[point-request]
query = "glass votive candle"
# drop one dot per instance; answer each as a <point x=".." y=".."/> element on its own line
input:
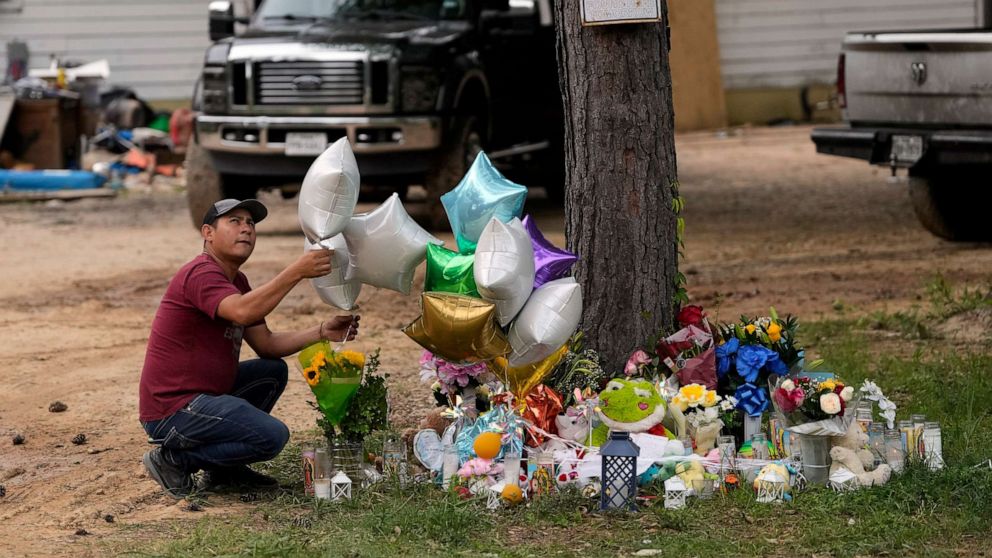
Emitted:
<point x="511" y="466"/>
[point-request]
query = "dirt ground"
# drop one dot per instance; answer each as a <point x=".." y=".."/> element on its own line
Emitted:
<point x="769" y="222"/>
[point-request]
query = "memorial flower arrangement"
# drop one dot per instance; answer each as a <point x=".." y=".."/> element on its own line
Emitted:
<point x="350" y="395"/>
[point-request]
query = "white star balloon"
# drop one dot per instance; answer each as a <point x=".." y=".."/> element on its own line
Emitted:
<point x="329" y="192"/>
<point x="334" y="288"/>
<point x="504" y="267"/>
<point x="546" y="322"/>
<point x="386" y="246"/>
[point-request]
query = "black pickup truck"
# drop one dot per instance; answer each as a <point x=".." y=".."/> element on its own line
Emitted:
<point x="417" y="86"/>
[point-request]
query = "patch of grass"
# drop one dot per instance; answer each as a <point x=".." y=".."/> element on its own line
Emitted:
<point x="943" y="513"/>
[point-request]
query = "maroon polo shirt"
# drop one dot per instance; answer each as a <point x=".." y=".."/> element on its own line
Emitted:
<point x="191" y="350"/>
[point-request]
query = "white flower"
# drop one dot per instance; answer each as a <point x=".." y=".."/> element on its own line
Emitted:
<point x="729" y="403"/>
<point x="830" y="403"/>
<point x="847" y="393"/>
<point x="788" y="385"/>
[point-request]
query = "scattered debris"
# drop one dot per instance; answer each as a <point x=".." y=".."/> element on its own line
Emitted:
<point x="57" y="407"/>
<point x="82" y="532"/>
<point x="193" y="507"/>
<point x="108" y="518"/>
<point x="15" y="472"/>
<point x="3" y="491"/>
<point x="18" y="439"/>
<point x="79" y="439"/>
<point x="303" y="522"/>
<point x="249" y="497"/>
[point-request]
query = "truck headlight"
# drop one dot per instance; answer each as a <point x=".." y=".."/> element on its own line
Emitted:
<point x="418" y="88"/>
<point x="214" y="79"/>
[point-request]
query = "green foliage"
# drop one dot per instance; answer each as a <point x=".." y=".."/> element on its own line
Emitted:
<point x="581" y="368"/>
<point x="944" y="302"/>
<point x="368" y="410"/>
<point x="681" y="295"/>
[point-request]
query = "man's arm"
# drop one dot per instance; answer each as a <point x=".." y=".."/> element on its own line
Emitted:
<point x="269" y="344"/>
<point x="253" y="306"/>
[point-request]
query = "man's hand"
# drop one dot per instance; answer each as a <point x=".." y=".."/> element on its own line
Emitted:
<point x="338" y="327"/>
<point x="314" y="263"/>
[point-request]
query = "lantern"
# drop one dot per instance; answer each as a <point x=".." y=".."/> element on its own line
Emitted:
<point x="340" y="487"/>
<point x="619" y="475"/>
<point x="675" y="490"/>
<point x="771" y="484"/>
<point x="494" y="497"/>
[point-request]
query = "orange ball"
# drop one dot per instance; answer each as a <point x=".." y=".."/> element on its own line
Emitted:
<point x="512" y="494"/>
<point x="487" y="445"/>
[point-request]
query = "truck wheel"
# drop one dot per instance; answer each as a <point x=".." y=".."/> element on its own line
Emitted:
<point x="457" y="155"/>
<point x="952" y="204"/>
<point x="204" y="185"/>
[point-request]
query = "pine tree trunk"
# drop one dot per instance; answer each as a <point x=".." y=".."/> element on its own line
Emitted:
<point x="620" y="177"/>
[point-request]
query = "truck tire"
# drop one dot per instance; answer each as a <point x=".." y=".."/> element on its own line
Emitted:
<point x="204" y="185"/>
<point x="953" y="203"/>
<point x="457" y="154"/>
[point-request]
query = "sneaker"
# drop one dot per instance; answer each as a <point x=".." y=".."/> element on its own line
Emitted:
<point x="171" y="478"/>
<point x="237" y="477"/>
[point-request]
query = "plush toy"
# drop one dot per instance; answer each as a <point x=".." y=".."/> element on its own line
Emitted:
<point x="852" y="463"/>
<point x="630" y="406"/>
<point x="770" y="478"/>
<point x="689" y="471"/>
<point x="573" y="426"/>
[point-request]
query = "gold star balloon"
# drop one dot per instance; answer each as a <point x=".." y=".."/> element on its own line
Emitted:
<point x="458" y="328"/>
<point x="522" y="379"/>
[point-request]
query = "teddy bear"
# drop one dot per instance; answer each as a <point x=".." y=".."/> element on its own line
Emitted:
<point x="851" y="461"/>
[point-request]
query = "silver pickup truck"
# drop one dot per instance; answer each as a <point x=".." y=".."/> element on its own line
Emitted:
<point x="922" y="101"/>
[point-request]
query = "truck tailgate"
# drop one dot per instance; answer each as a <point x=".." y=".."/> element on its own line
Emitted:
<point x="938" y="78"/>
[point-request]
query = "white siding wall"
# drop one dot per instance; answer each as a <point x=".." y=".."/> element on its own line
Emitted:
<point x="790" y="43"/>
<point x="154" y="46"/>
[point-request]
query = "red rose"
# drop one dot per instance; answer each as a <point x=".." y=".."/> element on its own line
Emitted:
<point x="671" y="349"/>
<point x="691" y="315"/>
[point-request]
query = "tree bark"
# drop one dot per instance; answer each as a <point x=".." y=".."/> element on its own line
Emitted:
<point x="620" y="177"/>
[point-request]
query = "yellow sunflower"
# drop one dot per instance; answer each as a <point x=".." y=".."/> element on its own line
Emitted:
<point x="353" y="358"/>
<point x="312" y="375"/>
<point x="319" y="359"/>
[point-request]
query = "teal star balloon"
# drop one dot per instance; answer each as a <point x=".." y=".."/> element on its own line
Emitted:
<point x="450" y="272"/>
<point x="482" y="194"/>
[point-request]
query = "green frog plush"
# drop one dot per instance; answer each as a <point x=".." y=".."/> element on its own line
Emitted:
<point x="630" y="406"/>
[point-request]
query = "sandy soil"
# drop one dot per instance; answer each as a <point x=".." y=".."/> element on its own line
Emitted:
<point x="769" y="222"/>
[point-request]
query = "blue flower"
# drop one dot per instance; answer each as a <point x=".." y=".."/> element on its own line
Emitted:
<point x="775" y="365"/>
<point x="750" y="360"/>
<point x="723" y="354"/>
<point x="751" y="399"/>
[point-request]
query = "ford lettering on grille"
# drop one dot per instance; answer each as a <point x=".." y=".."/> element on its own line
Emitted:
<point x="306" y="82"/>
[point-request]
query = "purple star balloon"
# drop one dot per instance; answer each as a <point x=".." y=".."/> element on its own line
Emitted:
<point x="550" y="262"/>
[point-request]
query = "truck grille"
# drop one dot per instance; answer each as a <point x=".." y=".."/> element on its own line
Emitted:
<point x="310" y="83"/>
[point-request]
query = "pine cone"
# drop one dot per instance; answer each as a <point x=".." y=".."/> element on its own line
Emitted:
<point x="57" y="407"/>
<point x="18" y="439"/>
<point x="3" y="491"/>
<point x="79" y="439"/>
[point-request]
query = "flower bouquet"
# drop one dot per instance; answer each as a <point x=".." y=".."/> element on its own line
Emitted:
<point x="334" y="378"/>
<point x="702" y="415"/>
<point x="450" y="380"/>
<point x="751" y="351"/>
<point x="814" y="403"/>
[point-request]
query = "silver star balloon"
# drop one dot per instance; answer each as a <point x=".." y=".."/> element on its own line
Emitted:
<point x="504" y="267"/>
<point x="386" y="246"/>
<point x="546" y="322"/>
<point x="329" y="192"/>
<point x="334" y="288"/>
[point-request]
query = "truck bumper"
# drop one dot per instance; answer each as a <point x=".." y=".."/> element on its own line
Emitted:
<point x="875" y="145"/>
<point x="257" y="144"/>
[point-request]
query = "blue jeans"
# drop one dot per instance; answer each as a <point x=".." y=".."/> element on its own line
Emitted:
<point x="217" y="431"/>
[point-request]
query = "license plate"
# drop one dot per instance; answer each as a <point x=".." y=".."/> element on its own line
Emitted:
<point x="305" y="143"/>
<point x="906" y="149"/>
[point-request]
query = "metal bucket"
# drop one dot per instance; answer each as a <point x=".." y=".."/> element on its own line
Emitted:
<point x="815" y="458"/>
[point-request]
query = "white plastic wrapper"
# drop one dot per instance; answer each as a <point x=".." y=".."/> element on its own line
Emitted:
<point x="329" y="192"/>
<point x="504" y="267"/>
<point x="386" y="246"/>
<point x="333" y="288"/>
<point x="546" y="322"/>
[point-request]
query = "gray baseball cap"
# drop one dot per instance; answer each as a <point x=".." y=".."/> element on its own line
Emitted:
<point x="255" y="207"/>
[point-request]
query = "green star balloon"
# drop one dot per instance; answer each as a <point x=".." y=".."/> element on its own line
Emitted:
<point x="450" y="272"/>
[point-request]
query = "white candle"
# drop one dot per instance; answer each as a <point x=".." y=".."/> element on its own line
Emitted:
<point x="322" y="489"/>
